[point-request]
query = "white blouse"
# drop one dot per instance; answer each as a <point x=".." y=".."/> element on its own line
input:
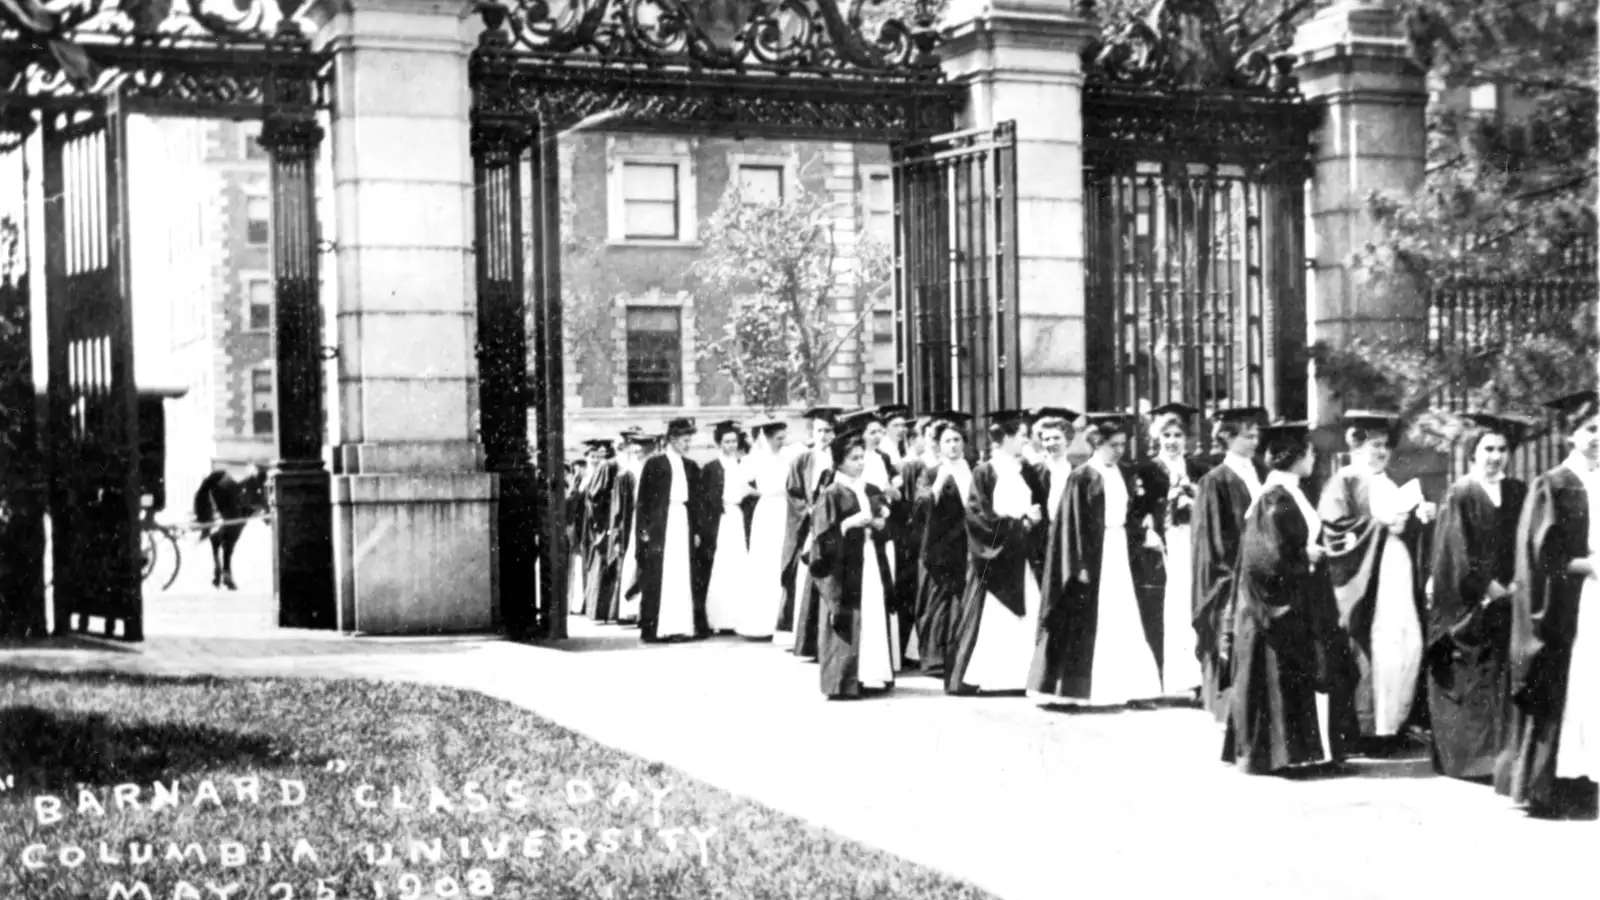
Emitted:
<point x="1116" y="494"/>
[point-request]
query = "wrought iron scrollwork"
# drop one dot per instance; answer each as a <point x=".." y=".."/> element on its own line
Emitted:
<point x="782" y="36"/>
<point x="1186" y="45"/>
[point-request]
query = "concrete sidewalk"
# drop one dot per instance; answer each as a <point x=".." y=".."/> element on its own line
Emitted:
<point x="1030" y="804"/>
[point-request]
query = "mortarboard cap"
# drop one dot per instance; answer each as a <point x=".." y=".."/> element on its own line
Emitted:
<point x="951" y="415"/>
<point x="680" y="427"/>
<point x="1053" y="412"/>
<point x="1513" y="428"/>
<point x="822" y="413"/>
<point x="857" y="420"/>
<point x="892" y="411"/>
<point x="1004" y="416"/>
<point x="765" y="421"/>
<point x="638" y="438"/>
<point x="1576" y="407"/>
<point x="1285" y="432"/>
<point x="1103" y="419"/>
<point x="1240" y="414"/>
<point x="599" y="444"/>
<point x="1181" y="410"/>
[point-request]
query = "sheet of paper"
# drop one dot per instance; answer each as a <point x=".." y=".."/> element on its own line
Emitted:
<point x="1410" y="496"/>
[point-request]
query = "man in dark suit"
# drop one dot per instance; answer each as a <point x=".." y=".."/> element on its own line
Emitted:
<point x="668" y="538"/>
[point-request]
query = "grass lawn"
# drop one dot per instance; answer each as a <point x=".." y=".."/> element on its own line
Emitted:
<point x="472" y="796"/>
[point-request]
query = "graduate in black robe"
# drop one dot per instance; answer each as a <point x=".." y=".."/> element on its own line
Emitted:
<point x="1166" y="486"/>
<point x="904" y="447"/>
<point x="622" y="508"/>
<point x="1280" y="620"/>
<point x="602" y="568"/>
<point x="1222" y="496"/>
<point x="808" y="475"/>
<point x="942" y="493"/>
<point x="1557" y="574"/>
<point x="1469" y="607"/>
<point x="854" y="635"/>
<point x="667" y="539"/>
<point x="991" y="642"/>
<point x="577" y="533"/>
<point x="1375" y="566"/>
<point x="1091" y="645"/>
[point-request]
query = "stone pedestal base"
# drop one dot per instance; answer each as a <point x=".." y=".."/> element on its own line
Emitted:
<point x="416" y="553"/>
<point x="302" y="546"/>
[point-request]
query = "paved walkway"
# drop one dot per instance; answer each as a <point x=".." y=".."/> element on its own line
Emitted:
<point x="1030" y="804"/>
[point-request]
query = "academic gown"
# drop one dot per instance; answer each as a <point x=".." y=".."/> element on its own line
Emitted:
<point x="1281" y="615"/>
<point x="907" y="531"/>
<point x="1000" y="551"/>
<point x="626" y="544"/>
<point x="944" y="567"/>
<point x="1091" y="640"/>
<point x="1554" y="530"/>
<point x="1469" y="688"/>
<point x="663" y="580"/>
<point x="1360" y="667"/>
<point x="1221" y="500"/>
<point x="838" y="569"/>
<point x="602" y="563"/>
<point x="800" y="607"/>
<point x="1168" y="586"/>
<point x="577" y="545"/>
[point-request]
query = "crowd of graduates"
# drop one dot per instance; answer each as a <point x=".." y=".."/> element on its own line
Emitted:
<point x="1314" y="633"/>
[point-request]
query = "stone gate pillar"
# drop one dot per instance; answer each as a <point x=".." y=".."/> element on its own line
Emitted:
<point x="413" y="508"/>
<point x="1021" y="60"/>
<point x="1354" y="59"/>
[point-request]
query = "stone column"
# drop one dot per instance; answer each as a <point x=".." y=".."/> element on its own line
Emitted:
<point x="1354" y="60"/>
<point x="414" y="511"/>
<point x="1022" y="60"/>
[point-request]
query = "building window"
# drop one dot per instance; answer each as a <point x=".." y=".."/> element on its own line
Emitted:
<point x="878" y="204"/>
<point x="655" y="356"/>
<point x="258" y="220"/>
<point x="261" y="406"/>
<point x="650" y="198"/>
<point x="761" y="184"/>
<point x="250" y="135"/>
<point x="258" y="293"/>
<point x="883" y="393"/>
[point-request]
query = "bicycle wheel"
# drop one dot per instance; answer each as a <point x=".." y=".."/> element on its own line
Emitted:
<point x="177" y="556"/>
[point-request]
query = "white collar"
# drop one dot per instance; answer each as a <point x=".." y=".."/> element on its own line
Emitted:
<point x="1578" y="463"/>
<point x="1242" y="466"/>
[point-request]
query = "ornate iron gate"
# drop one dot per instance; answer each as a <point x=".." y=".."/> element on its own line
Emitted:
<point x="803" y="69"/>
<point x="93" y="398"/>
<point x="1195" y="163"/>
<point x="957" y="343"/>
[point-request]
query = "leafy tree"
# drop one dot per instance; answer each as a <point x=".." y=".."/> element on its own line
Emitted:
<point x="780" y="266"/>
<point x="1506" y="211"/>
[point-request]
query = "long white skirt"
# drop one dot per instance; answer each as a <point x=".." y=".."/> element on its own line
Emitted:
<point x="1180" y="673"/>
<point x="1578" y="755"/>
<point x="676" y="614"/>
<point x="763" y="589"/>
<point x="879" y="644"/>
<point x="1396" y="640"/>
<point x="575" y="592"/>
<point x="1123" y="667"/>
<point x="729" y="572"/>
<point x="628" y="608"/>
<point x="1004" y="650"/>
<point x="894" y="621"/>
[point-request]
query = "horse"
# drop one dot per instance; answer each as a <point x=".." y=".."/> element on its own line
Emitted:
<point x="230" y="502"/>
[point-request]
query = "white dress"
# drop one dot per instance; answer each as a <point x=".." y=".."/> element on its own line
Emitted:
<point x="730" y="566"/>
<point x="1578" y="752"/>
<point x="675" y="617"/>
<point x="1123" y="667"/>
<point x="1397" y="639"/>
<point x="1180" y="666"/>
<point x="876" y="474"/>
<point x="1004" y="649"/>
<point x="876" y="664"/>
<point x="763" y="589"/>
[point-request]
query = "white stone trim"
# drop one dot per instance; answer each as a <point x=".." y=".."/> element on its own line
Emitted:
<point x="620" y="152"/>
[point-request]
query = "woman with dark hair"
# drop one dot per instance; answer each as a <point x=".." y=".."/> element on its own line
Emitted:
<point x="1280" y="616"/>
<point x="1222" y="496"/>
<point x="943" y="498"/>
<point x="602" y="558"/>
<point x="1469" y="604"/>
<point x="1371" y="529"/>
<point x="578" y="531"/>
<point x="1168" y="480"/>
<point x="989" y="646"/>
<point x="1091" y="646"/>
<point x="851" y="576"/>
<point x="1552" y="759"/>
<point x="766" y="475"/>
<point x="879" y="471"/>
<point x="723" y="545"/>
